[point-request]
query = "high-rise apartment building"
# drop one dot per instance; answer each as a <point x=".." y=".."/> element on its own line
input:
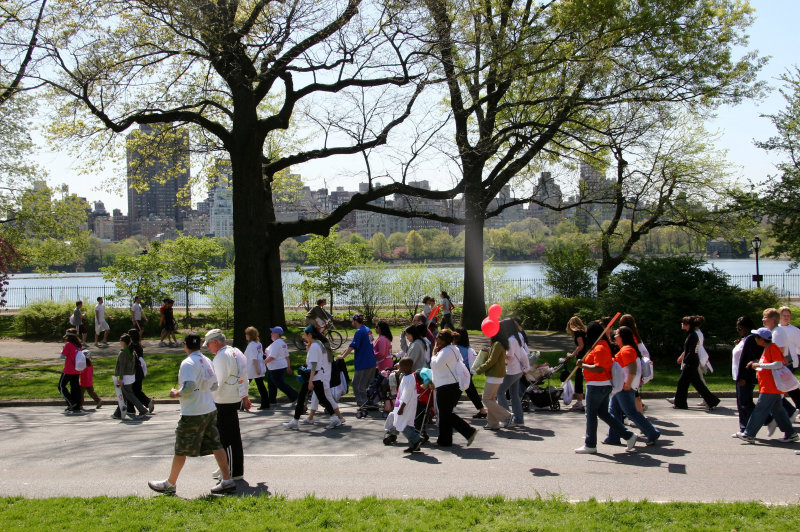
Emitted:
<point x="163" y="166"/>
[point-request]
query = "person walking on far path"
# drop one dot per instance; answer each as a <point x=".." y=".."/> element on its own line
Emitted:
<point x="137" y="315"/>
<point x="197" y="433"/>
<point x="167" y="324"/>
<point x="447" y="307"/>
<point x="77" y="320"/>
<point x="100" y="323"/>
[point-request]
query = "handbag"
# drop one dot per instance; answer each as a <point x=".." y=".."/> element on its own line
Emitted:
<point x="785" y="380"/>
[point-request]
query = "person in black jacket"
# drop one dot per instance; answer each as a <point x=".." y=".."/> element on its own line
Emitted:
<point x="745" y="351"/>
<point x="690" y="362"/>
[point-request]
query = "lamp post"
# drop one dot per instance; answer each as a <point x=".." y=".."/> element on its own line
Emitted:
<point x="756" y="242"/>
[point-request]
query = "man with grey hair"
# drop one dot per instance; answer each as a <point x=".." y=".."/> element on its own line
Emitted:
<point x="230" y="366"/>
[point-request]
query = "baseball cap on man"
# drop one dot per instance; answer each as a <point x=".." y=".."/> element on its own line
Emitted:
<point x="278" y="330"/>
<point x="214" y="334"/>
<point x="357" y="317"/>
<point x="764" y="333"/>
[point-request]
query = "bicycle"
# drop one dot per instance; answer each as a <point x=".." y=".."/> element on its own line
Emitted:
<point x="334" y="338"/>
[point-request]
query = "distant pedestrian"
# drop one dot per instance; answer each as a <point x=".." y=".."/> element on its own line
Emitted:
<point x="197" y="433"/>
<point x="137" y="315"/>
<point x="70" y="377"/>
<point x="100" y="324"/>
<point x="278" y="366"/>
<point x="167" y="322"/>
<point x="231" y="371"/>
<point x="446" y="311"/>
<point x="87" y="384"/>
<point x="125" y="371"/>
<point x="256" y="370"/>
<point x="77" y="320"/>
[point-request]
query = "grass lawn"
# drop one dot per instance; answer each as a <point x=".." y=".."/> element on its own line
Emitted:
<point x="469" y="513"/>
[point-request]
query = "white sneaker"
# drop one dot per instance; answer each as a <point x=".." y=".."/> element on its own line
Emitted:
<point x="224" y="486"/>
<point x="290" y="425"/>
<point x="335" y="422"/>
<point x="702" y="403"/>
<point x="161" y="486"/>
<point x="631" y="447"/>
<point x="306" y="421"/>
<point x="217" y="474"/>
<point x="744" y="437"/>
<point x="586" y="450"/>
<point x="671" y="400"/>
<point x="771" y="428"/>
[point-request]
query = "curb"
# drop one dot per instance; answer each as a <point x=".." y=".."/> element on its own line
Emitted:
<point x="6" y="403"/>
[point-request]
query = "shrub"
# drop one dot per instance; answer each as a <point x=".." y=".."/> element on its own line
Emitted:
<point x="570" y="270"/>
<point x="553" y="313"/>
<point x="47" y="320"/>
<point x="660" y="291"/>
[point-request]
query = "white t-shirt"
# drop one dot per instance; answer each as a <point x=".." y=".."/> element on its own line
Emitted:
<point x="280" y="352"/>
<point x="317" y="353"/>
<point x="792" y="335"/>
<point x="230" y="366"/>
<point x="136" y="308"/>
<point x="197" y="368"/>
<point x="255" y="353"/>
<point x="516" y="359"/>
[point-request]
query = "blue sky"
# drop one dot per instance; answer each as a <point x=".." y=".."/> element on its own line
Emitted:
<point x="775" y="33"/>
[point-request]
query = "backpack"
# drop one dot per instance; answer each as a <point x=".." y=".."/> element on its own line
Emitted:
<point x="617" y="378"/>
<point x="80" y="361"/>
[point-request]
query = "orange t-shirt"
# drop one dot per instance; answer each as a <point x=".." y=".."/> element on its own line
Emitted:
<point x="625" y="355"/>
<point x="766" y="384"/>
<point x="600" y="355"/>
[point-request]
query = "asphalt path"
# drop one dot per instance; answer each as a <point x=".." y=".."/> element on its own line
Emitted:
<point x="48" y="453"/>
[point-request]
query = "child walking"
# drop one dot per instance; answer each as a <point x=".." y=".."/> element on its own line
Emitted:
<point x="87" y="384"/>
<point x="402" y="418"/>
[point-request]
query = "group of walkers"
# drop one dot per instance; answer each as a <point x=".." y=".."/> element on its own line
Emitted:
<point x="212" y="392"/>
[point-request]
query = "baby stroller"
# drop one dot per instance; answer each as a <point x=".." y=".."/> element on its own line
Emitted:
<point x="539" y="394"/>
<point x="378" y="394"/>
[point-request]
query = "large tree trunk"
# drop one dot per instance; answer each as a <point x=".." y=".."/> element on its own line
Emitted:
<point x="474" y="309"/>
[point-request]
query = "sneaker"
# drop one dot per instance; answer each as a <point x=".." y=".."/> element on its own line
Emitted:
<point x="389" y="439"/>
<point x="710" y="408"/>
<point x="512" y="425"/>
<point x="651" y="443"/>
<point x="793" y="417"/>
<point x="224" y="486"/>
<point x="97" y="344"/>
<point x="99" y="404"/>
<point x="474" y="434"/>
<point x="116" y="416"/>
<point x="307" y="421"/>
<point x="151" y="405"/>
<point x="335" y="422"/>
<point x="744" y="437"/>
<point x="671" y="400"/>
<point x="578" y="407"/>
<point x="171" y="344"/>
<point x="797" y="452"/>
<point x="480" y="415"/>
<point x="162" y="344"/>
<point x="487" y="427"/>
<point x="505" y="424"/>
<point x="217" y="474"/>
<point x="290" y="425"/>
<point x="586" y="450"/>
<point x="788" y="439"/>
<point x="414" y="447"/>
<point x="162" y="486"/>
<point x="771" y="428"/>
<point x="702" y="403"/>
<point x="631" y="443"/>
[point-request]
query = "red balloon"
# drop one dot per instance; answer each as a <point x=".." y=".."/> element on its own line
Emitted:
<point x="495" y="311"/>
<point x="490" y="327"/>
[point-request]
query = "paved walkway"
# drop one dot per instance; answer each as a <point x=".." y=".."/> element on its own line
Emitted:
<point x="47" y="453"/>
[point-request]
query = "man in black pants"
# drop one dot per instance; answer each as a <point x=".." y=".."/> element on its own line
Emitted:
<point x="231" y="369"/>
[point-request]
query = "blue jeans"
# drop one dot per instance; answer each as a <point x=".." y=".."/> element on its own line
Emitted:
<point x="597" y="407"/>
<point x="511" y="384"/>
<point x="625" y="402"/>
<point x="744" y="403"/>
<point x="768" y="403"/>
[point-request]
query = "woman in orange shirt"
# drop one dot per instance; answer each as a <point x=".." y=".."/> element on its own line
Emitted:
<point x="624" y="401"/>
<point x="769" y="396"/>
<point x="596" y="366"/>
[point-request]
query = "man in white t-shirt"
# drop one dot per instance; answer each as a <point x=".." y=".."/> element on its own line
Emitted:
<point x="278" y="366"/>
<point x="230" y="365"/>
<point x="197" y="433"/>
<point x="100" y="324"/>
<point x="137" y="315"/>
<point x="792" y="335"/>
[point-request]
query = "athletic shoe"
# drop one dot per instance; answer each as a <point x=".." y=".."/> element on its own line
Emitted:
<point x="307" y="421"/>
<point x="480" y="415"/>
<point x="788" y="439"/>
<point x="797" y="452"/>
<point x="116" y="416"/>
<point x="217" y="474"/>
<point x="389" y="439"/>
<point x="151" y="405"/>
<point x="505" y="424"/>
<point x="290" y="425"/>
<point x="162" y="486"/>
<point x="162" y="344"/>
<point x="631" y="443"/>
<point x="671" y="400"/>
<point x="171" y="344"/>
<point x="414" y="447"/>
<point x="793" y="417"/>
<point x="224" y="486"/>
<point x="335" y="422"/>
<point x="609" y="442"/>
<point x="97" y="344"/>
<point x="702" y="403"/>
<point x="744" y="437"/>
<point x="512" y="425"/>
<point x="772" y="426"/>
<point x="710" y="408"/>
<point x="472" y="438"/>
<point x="487" y="427"/>
<point x="651" y="443"/>
<point x="578" y="407"/>
<point x="586" y="450"/>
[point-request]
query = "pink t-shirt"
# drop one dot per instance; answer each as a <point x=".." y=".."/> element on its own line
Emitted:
<point x="383" y="352"/>
<point x="69" y="351"/>
<point x="87" y="377"/>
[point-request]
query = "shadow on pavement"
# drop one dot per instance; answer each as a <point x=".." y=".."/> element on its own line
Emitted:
<point x="244" y="489"/>
<point x="542" y="472"/>
<point x="472" y="453"/>
<point x="422" y="458"/>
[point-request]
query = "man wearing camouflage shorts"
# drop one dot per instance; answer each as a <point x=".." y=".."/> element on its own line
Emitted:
<point x="196" y="434"/>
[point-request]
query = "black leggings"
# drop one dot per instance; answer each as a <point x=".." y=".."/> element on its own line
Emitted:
<point x="690" y="376"/>
<point x="319" y="391"/>
<point x="447" y="399"/>
<point x="473" y="395"/>
<point x="73" y="396"/>
<point x="230" y="436"/>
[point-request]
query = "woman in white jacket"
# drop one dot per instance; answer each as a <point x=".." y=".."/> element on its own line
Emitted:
<point x="516" y="364"/>
<point x="444" y="365"/>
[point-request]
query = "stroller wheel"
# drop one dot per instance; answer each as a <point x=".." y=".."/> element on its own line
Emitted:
<point x="526" y="405"/>
<point x="555" y="406"/>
